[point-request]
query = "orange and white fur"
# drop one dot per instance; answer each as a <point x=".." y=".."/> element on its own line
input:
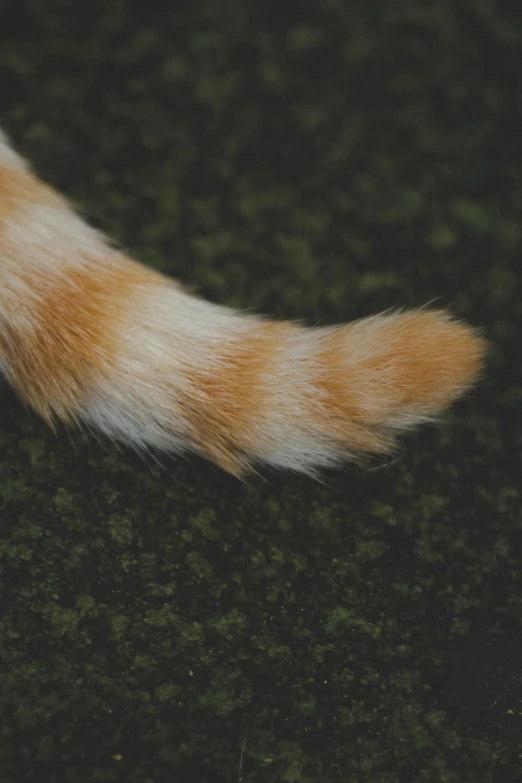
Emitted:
<point x="90" y="336"/>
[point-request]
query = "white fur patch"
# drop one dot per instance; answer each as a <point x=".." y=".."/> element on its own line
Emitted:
<point x="52" y="239"/>
<point x="165" y="334"/>
<point x="8" y="157"/>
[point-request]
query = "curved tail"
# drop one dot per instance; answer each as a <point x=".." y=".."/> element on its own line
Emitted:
<point x="88" y="335"/>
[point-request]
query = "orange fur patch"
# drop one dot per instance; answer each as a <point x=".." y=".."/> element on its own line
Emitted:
<point x="434" y="358"/>
<point x="19" y="186"/>
<point x="227" y="401"/>
<point x="71" y="340"/>
<point x="418" y="363"/>
<point x="341" y="416"/>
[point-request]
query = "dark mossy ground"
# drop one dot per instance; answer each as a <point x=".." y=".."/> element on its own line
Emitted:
<point x="322" y="160"/>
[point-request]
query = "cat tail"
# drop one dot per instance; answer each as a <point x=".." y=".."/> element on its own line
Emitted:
<point x="88" y="335"/>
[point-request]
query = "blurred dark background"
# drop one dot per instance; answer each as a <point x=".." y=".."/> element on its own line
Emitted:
<point x="321" y="160"/>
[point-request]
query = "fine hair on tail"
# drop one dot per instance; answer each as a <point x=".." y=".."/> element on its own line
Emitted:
<point x="88" y="335"/>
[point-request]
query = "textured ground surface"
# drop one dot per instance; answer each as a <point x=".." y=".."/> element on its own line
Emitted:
<point x="170" y="626"/>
